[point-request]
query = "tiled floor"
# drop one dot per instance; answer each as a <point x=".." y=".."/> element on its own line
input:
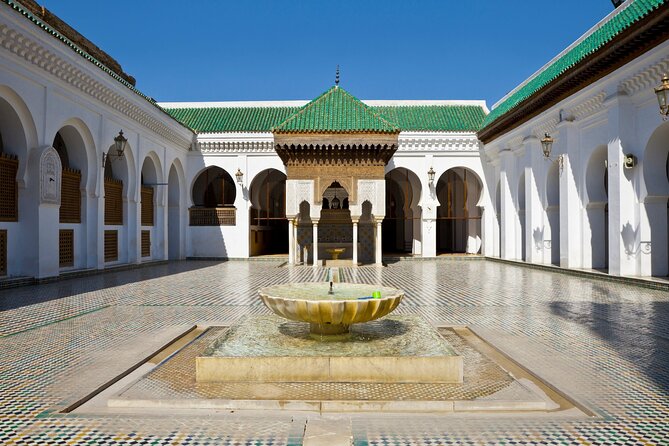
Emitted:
<point x="607" y="344"/>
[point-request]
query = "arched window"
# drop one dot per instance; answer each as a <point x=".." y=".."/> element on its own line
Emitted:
<point x="214" y="187"/>
<point x="70" y="193"/>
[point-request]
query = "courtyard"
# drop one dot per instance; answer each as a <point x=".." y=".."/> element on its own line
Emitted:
<point x="604" y="344"/>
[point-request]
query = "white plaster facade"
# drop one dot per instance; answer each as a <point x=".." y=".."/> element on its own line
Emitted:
<point x="253" y="153"/>
<point x="582" y="208"/>
<point x="572" y="213"/>
<point x="45" y="87"/>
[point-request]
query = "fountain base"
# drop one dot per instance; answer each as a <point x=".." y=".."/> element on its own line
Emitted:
<point x="395" y="349"/>
<point x="319" y="331"/>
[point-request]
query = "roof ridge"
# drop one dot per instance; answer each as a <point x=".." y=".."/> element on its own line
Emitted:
<point x="346" y="97"/>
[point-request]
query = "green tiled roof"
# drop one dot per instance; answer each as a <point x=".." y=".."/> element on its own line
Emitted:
<point x="628" y="14"/>
<point x="436" y="118"/>
<point x="450" y="118"/>
<point x="232" y="119"/>
<point x="336" y="111"/>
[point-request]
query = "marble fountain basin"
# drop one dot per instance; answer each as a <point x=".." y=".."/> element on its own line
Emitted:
<point x="330" y="314"/>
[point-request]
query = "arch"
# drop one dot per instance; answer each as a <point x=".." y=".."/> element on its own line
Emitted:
<point x="175" y="211"/>
<point x="18" y="135"/>
<point x="268" y="226"/>
<point x="81" y="150"/>
<point x="213" y="187"/>
<point x="597" y="230"/>
<point x="401" y="229"/>
<point x="552" y="194"/>
<point x="656" y="162"/>
<point x="459" y="191"/>
<point x="149" y="179"/>
<point x="596" y="176"/>
<point x="18" y="129"/>
<point x="655" y="165"/>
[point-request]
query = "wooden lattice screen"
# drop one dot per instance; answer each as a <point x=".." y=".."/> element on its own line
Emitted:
<point x="111" y="246"/>
<point x="3" y="252"/>
<point x="146" y="243"/>
<point x="9" y="166"/>
<point x="113" y="202"/>
<point x="213" y="216"/>
<point x="70" y="197"/>
<point x="147" y="206"/>
<point x="66" y="247"/>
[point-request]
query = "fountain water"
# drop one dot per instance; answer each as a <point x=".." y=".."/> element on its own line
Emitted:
<point x="358" y="347"/>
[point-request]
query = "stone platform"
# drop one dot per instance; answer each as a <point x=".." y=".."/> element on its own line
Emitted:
<point x="395" y="349"/>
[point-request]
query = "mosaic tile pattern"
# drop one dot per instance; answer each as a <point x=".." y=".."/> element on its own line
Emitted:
<point x="175" y="380"/>
<point x="606" y="343"/>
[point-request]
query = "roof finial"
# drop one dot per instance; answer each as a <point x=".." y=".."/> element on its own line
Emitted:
<point x="337" y="77"/>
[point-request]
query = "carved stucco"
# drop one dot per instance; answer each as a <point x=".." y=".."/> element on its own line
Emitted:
<point x="50" y="176"/>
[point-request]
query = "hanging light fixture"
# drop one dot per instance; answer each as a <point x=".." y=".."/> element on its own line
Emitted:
<point x="662" y="93"/>
<point x="240" y="176"/>
<point x="335" y="202"/>
<point x="120" y="143"/>
<point x="430" y="175"/>
<point x="547" y="145"/>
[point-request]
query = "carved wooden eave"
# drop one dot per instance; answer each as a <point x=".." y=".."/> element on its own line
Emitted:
<point x="335" y="149"/>
<point x="630" y="44"/>
<point x="40" y="51"/>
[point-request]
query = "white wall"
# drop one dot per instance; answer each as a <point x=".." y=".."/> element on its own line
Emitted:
<point x="593" y="130"/>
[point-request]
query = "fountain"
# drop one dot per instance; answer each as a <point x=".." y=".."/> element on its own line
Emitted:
<point x="330" y="309"/>
<point x="334" y="332"/>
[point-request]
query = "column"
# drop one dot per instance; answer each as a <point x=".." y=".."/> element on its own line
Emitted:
<point x="535" y="217"/>
<point x="355" y="243"/>
<point x="570" y="200"/>
<point x="314" y="243"/>
<point x="377" y="243"/>
<point x="291" y="242"/>
<point x="508" y="213"/>
<point x="624" y="232"/>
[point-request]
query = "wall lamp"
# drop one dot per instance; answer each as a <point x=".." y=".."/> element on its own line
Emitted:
<point x="662" y="93"/>
<point x="240" y="176"/>
<point x="430" y="175"/>
<point x="120" y="143"/>
<point x="547" y="146"/>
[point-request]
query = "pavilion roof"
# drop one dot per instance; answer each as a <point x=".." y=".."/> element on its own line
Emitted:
<point x="336" y="111"/>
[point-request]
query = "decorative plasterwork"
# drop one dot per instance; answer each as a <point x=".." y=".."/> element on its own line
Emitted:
<point x="367" y="192"/>
<point x="42" y="57"/>
<point x="416" y="142"/>
<point x="50" y="171"/>
<point x="236" y="147"/>
<point x="587" y="107"/>
<point x="545" y="126"/>
<point x="647" y="78"/>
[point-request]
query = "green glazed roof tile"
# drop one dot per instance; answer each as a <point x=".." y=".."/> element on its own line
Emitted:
<point x="628" y="14"/>
<point x="450" y="118"/>
<point x="336" y="111"/>
<point x="231" y="119"/>
<point x="436" y="118"/>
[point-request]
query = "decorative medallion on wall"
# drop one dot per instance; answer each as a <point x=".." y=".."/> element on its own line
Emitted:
<point x="50" y="172"/>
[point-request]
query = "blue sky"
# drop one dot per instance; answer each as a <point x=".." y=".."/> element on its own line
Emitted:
<point x="274" y="50"/>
